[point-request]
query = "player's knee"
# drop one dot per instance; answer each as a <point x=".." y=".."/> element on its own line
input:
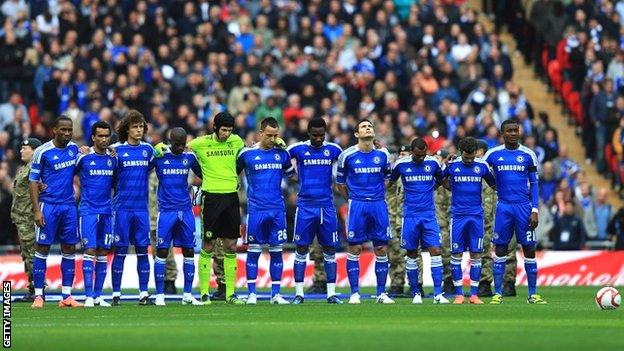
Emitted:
<point x="161" y="253"/>
<point x="501" y="251"/>
<point x="529" y="251"/>
<point x="475" y="255"/>
<point x="434" y="251"/>
<point x="90" y="252"/>
<point x="355" y="249"/>
<point x="302" y="250"/>
<point x="229" y="246"/>
<point x="329" y="250"/>
<point x="381" y="250"/>
<point x="43" y="249"/>
<point x="457" y="256"/>
<point x="186" y="252"/>
<point x="412" y="253"/>
<point x="121" y="250"/>
<point x="207" y="245"/>
<point x="142" y="250"/>
<point x="68" y="249"/>
<point x="101" y="252"/>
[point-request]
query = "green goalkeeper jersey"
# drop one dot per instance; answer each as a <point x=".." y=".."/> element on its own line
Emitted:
<point x="218" y="162"/>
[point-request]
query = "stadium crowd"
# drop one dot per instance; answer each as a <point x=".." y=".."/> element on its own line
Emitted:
<point x="416" y="68"/>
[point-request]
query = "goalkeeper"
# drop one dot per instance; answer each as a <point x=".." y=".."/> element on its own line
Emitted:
<point x="217" y="155"/>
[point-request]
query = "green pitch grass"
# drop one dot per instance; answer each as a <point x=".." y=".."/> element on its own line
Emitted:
<point x="570" y="321"/>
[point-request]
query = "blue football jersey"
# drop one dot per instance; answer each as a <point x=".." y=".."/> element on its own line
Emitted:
<point x="466" y="185"/>
<point x="55" y="167"/>
<point x="132" y="176"/>
<point x="314" y="167"/>
<point x="96" y="181"/>
<point x="173" y="174"/>
<point x="264" y="170"/>
<point x="364" y="173"/>
<point x="419" y="182"/>
<point x="516" y="174"/>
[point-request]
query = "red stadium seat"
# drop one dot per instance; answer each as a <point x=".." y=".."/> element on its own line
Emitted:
<point x="545" y="58"/>
<point x="562" y="56"/>
<point x="611" y="158"/>
<point x="554" y="74"/>
<point x="566" y="90"/>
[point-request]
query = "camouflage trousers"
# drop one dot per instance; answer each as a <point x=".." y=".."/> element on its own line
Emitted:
<point x="316" y="255"/>
<point x="445" y="235"/>
<point x="217" y="257"/>
<point x="396" y="258"/>
<point x="171" y="268"/>
<point x="487" y="261"/>
<point x="26" y="233"/>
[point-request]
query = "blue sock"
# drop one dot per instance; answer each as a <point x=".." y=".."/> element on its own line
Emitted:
<point x="251" y="265"/>
<point x="475" y="275"/>
<point x="143" y="267"/>
<point x="159" y="274"/>
<point x="117" y="268"/>
<point x="39" y="271"/>
<point x="498" y="271"/>
<point x="381" y="271"/>
<point x="353" y="272"/>
<point x="300" y="266"/>
<point x="68" y="271"/>
<point x="189" y="273"/>
<point x="411" y="266"/>
<point x="276" y="267"/>
<point x="330" y="267"/>
<point x="437" y="272"/>
<point x="87" y="273"/>
<point x="457" y="275"/>
<point x="530" y="266"/>
<point x="100" y="275"/>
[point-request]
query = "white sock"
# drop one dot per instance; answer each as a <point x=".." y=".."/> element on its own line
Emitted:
<point x="160" y="296"/>
<point x="66" y="290"/>
<point x="38" y="292"/>
<point x="143" y="294"/>
<point x="299" y="288"/>
<point x="331" y="289"/>
<point x="188" y="296"/>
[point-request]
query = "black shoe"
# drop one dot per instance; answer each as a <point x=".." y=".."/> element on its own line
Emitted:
<point x="298" y="300"/>
<point x="170" y="288"/>
<point x="318" y="288"/>
<point x="395" y="291"/>
<point x="485" y="289"/>
<point x="146" y="301"/>
<point x="420" y="289"/>
<point x="219" y="295"/>
<point x="116" y="301"/>
<point x="448" y="288"/>
<point x="334" y="300"/>
<point x="28" y="297"/>
<point x="509" y="289"/>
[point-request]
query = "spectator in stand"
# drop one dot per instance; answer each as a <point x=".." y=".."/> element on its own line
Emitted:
<point x="568" y="233"/>
<point x="548" y="182"/>
<point x="586" y="208"/>
<point x="603" y="214"/>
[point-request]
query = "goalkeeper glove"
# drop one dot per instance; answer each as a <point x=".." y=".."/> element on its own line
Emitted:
<point x="160" y="149"/>
<point x="279" y="142"/>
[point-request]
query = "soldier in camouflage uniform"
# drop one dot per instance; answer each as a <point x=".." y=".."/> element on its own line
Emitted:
<point x="487" y="263"/>
<point x="319" y="280"/>
<point x="396" y="255"/>
<point x="171" y="267"/>
<point x="443" y="214"/>
<point x="217" y="257"/>
<point x="22" y="213"/>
